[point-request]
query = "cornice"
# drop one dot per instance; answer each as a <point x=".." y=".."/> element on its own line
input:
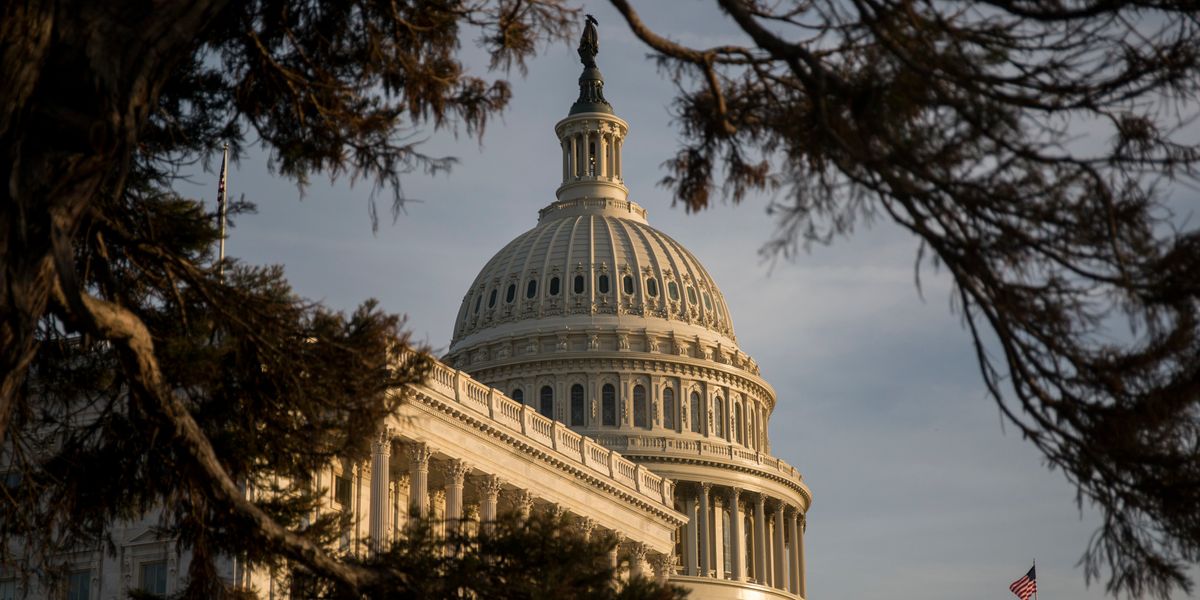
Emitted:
<point x="626" y="361"/>
<point x="548" y="456"/>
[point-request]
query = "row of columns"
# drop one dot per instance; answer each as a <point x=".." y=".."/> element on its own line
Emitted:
<point x="489" y="488"/>
<point x="578" y="162"/>
<point x="776" y="553"/>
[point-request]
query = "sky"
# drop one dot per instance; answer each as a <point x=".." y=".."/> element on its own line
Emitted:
<point x="919" y="490"/>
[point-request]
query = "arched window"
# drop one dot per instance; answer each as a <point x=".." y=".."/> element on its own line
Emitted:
<point x="737" y="423"/>
<point x="695" y="410"/>
<point x="492" y="299"/>
<point x="652" y="287"/>
<point x="554" y="286"/>
<point x="578" y="408"/>
<point x="519" y="395"/>
<point x="719" y="416"/>
<point x="531" y="288"/>
<point x="641" y="412"/>
<point x="511" y="294"/>
<point x="602" y="284"/>
<point x="608" y="405"/>
<point x="673" y="291"/>
<point x="627" y="283"/>
<point x="726" y="542"/>
<point x="579" y="284"/>
<point x="547" y="402"/>
<point x="478" y="301"/>
<point x="668" y="408"/>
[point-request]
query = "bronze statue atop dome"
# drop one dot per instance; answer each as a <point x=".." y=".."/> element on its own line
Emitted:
<point x="589" y="43"/>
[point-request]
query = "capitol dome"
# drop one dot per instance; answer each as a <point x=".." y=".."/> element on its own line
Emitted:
<point x="611" y="328"/>
<point x="594" y="264"/>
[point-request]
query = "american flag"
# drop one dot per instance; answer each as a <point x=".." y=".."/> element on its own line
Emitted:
<point x="1025" y="586"/>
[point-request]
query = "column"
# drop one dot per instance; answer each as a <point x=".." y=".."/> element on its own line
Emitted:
<point x="637" y="560"/>
<point x="735" y="534"/>
<point x="585" y="526"/>
<point x="778" y="564"/>
<point x="718" y="536"/>
<point x="574" y="160"/>
<point x="566" y="157"/>
<point x="580" y="155"/>
<point x="799" y="560"/>
<point x="703" y="532"/>
<point x="489" y="493"/>
<point x="617" y="152"/>
<point x="690" y="538"/>
<point x="456" y="473"/>
<point x="662" y="567"/>
<point x="523" y="503"/>
<point x="381" y="452"/>
<point x="760" y="539"/>
<point x="794" y="551"/>
<point x="601" y="154"/>
<point x="418" y="473"/>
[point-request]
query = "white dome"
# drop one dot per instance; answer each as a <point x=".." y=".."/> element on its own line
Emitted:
<point x="593" y="264"/>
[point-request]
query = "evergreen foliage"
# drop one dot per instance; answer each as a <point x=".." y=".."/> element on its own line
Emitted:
<point x="964" y="123"/>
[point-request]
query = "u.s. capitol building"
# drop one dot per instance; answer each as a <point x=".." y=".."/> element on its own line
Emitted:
<point x="594" y="372"/>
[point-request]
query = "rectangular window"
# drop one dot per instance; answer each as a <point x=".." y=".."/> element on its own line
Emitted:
<point x="152" y="577"/>
<point x="8" y="589"/>
<point x="79" y="586"/>
<point x="341" y="490"/>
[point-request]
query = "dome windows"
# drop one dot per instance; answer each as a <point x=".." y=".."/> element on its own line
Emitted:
<point x="691" y="295"/>
<point x="531" y="289"/>
<point x="673" y="290"/>
<point x="668" y="396"/>
<point x="478" y="301"/>
<point x="652" y="287"/>
<point x="695" y="410"/>
<point x="608" y="405"/>
<point x="554" y="285"/>
<point x="602" y="284"/>
<point x="579" y="284"/>
<point x="641" y="412"/>
<point x="707" y="301"/>
<point x="519" y="395"/>
<point x="578" y="408"/>
<point x="546" y="406"/>
<point x="719" y="417"/>
<point x="492" y="299"/>
<point x="627" y="284"/>
<point x="511" y="293"/>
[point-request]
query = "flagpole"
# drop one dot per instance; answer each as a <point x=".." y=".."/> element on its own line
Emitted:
<point x="1035" y="578"/>
<point x="222" y="199"/>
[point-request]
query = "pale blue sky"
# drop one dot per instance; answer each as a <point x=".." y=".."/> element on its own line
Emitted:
<point x="918" y="490"/>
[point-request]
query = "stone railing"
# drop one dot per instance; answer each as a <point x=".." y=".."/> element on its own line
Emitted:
<point x="645" y="444"/>
<point x="455" y="386"/>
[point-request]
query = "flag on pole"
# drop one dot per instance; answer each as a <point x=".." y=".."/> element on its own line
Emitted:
<point x="1025" y="586"/>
